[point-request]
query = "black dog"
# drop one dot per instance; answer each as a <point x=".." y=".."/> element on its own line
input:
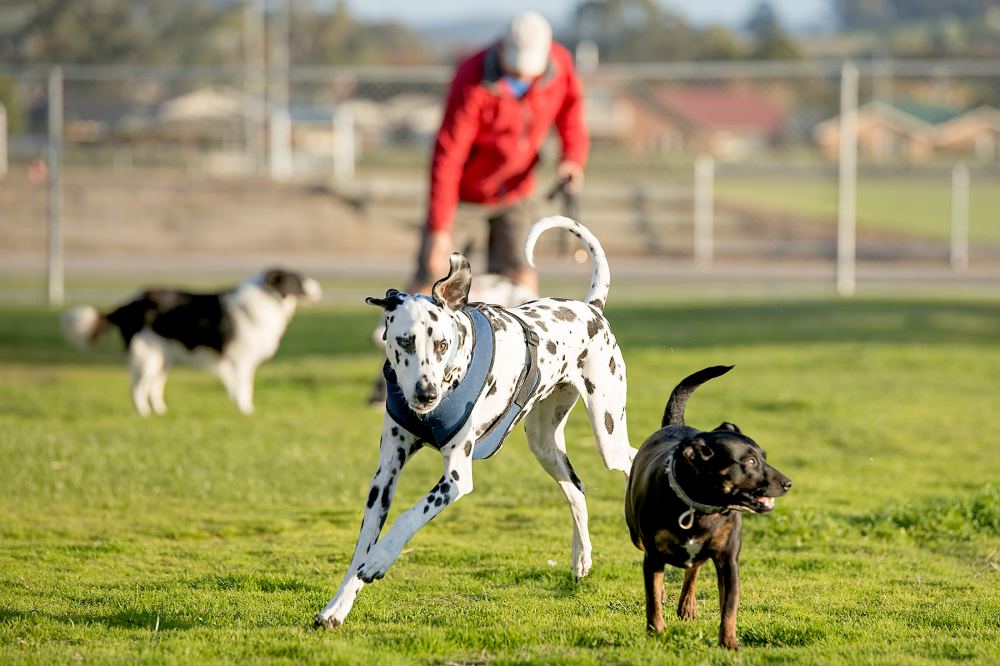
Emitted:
<point x="683" y="504"/>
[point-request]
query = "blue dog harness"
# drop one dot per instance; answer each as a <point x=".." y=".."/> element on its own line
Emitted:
<point x="437" y="427"/>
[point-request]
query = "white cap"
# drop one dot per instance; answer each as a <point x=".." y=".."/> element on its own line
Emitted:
<point x="526" y="44"/>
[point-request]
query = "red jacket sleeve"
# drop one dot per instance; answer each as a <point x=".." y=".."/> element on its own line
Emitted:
<point x="570" y="122"/>
<point x="459" y="127"/>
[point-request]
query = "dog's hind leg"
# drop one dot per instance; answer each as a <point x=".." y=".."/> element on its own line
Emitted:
<point x="395" y="448"/>
<point x="605" y="402"/>
<point x="544" y="427"/>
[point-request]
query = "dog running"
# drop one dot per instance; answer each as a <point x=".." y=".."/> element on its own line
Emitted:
<point x="461" y="375"/>
<point x="230" y="332"/>
<point x="684" y="505"/>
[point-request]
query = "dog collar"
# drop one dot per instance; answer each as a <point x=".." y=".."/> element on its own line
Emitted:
<point x="437" y="427"/>
<point x="686" y="519"/>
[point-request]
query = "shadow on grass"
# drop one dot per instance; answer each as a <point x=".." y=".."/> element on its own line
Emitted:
<point x="31" y="335"/>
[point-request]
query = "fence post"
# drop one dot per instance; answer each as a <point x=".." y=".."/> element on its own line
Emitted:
<point x="847" y="179"/>
<point x="3" y="141"/>
<point x="281" y="122"/>
<point x="54" y="263"/>
<point x="343" y="145"/>
<point x="960" y="217"/>
<point x="254" y="83"/>
<point x="704" y="210"/>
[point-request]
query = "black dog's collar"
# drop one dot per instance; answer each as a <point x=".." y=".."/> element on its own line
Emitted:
<point x="686" y="519"/>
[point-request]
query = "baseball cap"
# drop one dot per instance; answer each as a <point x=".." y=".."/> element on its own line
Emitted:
<point x="526" y="44"/>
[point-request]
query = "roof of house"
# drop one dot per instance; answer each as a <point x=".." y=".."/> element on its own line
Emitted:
<point x="720" y="108"/>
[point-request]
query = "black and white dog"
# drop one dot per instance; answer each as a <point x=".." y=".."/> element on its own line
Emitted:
<point x="230" y="333"/>
<point x="461" y="375"/>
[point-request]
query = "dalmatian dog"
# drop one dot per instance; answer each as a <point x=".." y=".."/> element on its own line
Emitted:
<point x="545" y="355"/>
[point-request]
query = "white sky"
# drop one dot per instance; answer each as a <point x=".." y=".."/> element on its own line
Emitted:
<point x="794" y="13"/>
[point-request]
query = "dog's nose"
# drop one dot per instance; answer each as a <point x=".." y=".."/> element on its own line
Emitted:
<point x="786" y="483"/>
<point x="424" y="391"/>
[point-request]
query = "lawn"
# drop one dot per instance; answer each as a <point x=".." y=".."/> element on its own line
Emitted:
<point x="208" y="536"/>
<point x="915" y="205"/>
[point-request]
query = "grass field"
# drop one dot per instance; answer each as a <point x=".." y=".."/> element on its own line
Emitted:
<point x="208" y="536"/>
<point x="917" y="206"/>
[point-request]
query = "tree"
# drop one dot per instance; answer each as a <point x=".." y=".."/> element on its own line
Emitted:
<point x="771" y="42"/>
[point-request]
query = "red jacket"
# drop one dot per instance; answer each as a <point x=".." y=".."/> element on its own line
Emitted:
<point x="488" y="143"/>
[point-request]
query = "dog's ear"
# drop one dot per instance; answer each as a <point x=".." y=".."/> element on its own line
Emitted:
<point x="731" y="427"/>
<point x="697" y="448"/>
<point x="393" y="297"/>
<point x="453" y="291"/>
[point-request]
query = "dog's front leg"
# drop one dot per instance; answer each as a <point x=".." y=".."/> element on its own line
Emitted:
<point x="395" y="449"/>
<point x="728" y="570"/>
<point x="652" y="576"/>
<point x="453" y="484"/>
<point x="687" y="606"/>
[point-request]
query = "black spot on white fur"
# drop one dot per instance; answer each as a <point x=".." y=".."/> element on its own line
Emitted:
<point x="551" y="346"/>
<point x="609" y="422"/>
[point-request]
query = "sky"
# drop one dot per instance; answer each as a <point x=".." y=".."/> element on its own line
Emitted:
<point x="796" y="14"/>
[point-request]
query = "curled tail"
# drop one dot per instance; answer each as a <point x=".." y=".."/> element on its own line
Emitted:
<point x="600" y="279"/>
<point x="674" y="412"/>
<point x="83" y="326"/>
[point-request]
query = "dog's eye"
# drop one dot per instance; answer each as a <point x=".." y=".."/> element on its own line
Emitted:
<point x="405" y="343"/>
<point x="440" y="347"/>
<point x="751" y="462"/>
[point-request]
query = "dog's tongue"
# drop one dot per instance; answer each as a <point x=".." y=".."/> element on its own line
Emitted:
<point x="767" y="502"/>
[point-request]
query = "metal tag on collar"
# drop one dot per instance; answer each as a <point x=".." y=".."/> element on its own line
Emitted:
<point x="686" y="520"/>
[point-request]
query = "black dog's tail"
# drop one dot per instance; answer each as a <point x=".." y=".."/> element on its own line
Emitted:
<point x="674" y="412"/>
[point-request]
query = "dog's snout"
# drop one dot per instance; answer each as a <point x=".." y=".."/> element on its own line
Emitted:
<point x="786" y="484"/>
<point x="425" y="391"/>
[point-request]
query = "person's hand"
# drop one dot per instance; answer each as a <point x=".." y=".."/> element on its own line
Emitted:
<point x="572" y="173"/>
<point x="436" y="256"/>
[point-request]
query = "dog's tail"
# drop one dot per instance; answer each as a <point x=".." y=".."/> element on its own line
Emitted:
<point x="674" y="412"/>
<point x="83" y="326"/>
<point x="600" y="279"/>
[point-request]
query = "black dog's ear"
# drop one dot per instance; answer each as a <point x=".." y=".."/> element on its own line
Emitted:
<point x="731" y="427"/>
<point x="389" y="303"/>
<point x="696" y="447"/>
<point x="453" y="291"/>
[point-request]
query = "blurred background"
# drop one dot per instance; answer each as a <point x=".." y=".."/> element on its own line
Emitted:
<point x="741" y="144"/>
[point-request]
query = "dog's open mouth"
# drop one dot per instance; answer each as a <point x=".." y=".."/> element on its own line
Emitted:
<point x="762" y="504"/>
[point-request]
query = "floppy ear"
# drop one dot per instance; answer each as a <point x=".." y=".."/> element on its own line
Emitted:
<point x="389" y="303"/>
<point x="453" y="291"/>
<point x="696" y="447"/>
<point x="731" y="427"/>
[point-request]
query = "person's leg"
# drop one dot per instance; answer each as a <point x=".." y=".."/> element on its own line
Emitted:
<point x="508" y="227"/>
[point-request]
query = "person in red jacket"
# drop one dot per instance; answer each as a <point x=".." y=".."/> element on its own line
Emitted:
<point x="502" y="104"/>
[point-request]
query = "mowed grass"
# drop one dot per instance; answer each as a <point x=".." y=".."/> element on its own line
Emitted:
<point x="917" y="206"/>
<point x="208" y="536"/>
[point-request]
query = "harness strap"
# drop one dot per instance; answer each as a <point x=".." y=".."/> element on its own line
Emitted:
<point x="455" y="408"/>
<point x="489" y="442"/>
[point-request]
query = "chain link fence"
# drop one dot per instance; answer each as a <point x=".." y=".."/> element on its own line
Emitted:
<point x="159" y="163"/>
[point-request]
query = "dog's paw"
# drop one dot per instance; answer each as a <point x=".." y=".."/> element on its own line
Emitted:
<point x="319" y="622"/>
<point x="581" y="568"/>
<point x="376" y="563"/>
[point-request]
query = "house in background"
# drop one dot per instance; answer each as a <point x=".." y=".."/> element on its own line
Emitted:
<point x="729" y="123"/>
<point x="917" y="132"/>
<point x="884" y="132"/>
<point x="975" y="133"/>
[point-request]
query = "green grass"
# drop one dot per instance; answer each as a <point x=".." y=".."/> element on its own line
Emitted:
<point x="208" y="536"/>
<point x="916" y="206"/>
